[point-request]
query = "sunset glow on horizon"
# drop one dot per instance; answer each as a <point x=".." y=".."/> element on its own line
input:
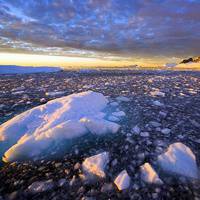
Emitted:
<point x="62" y="61"/>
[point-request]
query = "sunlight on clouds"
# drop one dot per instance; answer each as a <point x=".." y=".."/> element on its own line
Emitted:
<point x="101" y="29"/>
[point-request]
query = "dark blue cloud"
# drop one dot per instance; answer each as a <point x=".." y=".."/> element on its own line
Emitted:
<point x="129" y="27"/>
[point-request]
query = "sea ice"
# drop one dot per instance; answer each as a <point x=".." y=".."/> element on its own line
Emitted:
<point x="96" y="164"/>
<point x="158" y="93"/>
<point x="122" y="98"/>
<point x="55" y="93"/>
<point x="113" y="119"/>
<point x="119" y="114"/>
<point x="114" y="104"/>
<point x="166" y="131"/>
<point x="158" y="103"/>
<point x="122" y="181"/>
<point x="32" y="132"/>
<point x="179" y="159"/>
<point x="99" y="127"/>
<point x="41" y="186"/>
<point x="17" y="92"/>
<point x="144" y="134"/>
<point x="136" y="129"/>
<point x="149" y="175"/>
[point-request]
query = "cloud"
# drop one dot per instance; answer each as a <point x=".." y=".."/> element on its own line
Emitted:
<point x="113" y="27"/>
<point x="15" y="12"/>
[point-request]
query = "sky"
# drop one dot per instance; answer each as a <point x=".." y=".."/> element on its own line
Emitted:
<point x="98" y="32"/>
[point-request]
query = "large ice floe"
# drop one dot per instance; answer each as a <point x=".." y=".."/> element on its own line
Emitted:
<point x="31" y="133"/>
<point x="179" y="159"/>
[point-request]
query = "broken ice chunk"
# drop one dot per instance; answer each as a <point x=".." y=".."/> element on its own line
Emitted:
<point x="149" y="175"/>
<point x="122" y="181"/>
<point x="179" y="159"/>
<point x="119" y="114"/>
<point x="96" y="164"/>
<point x="157" y="93"/>
<point x="122" y="98"/>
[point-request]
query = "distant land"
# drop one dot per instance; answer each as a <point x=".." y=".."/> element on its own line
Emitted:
<point x="13" y="69"/>
<point x="192" y="63"/>
<point x="193" y="59"/>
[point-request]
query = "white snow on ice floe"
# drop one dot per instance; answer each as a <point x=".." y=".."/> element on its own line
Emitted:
<point x="96" y="164"/>
<point x="32" y="132"/>
<point x="149" y="175"/>
<point x="100" y="126"/>
<point x="123" y="180"/>
<point x="179" y="159"/>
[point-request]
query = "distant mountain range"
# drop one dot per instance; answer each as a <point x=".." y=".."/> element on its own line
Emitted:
<point x="194" y="60"/>
<point x="13" y="69"/>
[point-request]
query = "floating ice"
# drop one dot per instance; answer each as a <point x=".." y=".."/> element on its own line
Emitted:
<point x="158" y="103"/>
<point x="166" y="131"/>
<point x="100" y="126"/>
<point x="155" y="124"/>
<point x="179" y="159"/>
<point x="32" y="132"/>
<point x="114" y="104"/>
<point x="122" y="181"/>
<point x="122" y="98"/>
<point x="136" y="129"/>
<point x="96" y="164"/>
<point x="55" y="93"/>
<point x="18" y="92"/>
<point x="149" y="175"/>
<point x="119" y="114"/>
<point x="158" y="93"/>
<point x="40" y="186"/>
<point x="113" y="119"/>
<point x="144" y="134"/>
